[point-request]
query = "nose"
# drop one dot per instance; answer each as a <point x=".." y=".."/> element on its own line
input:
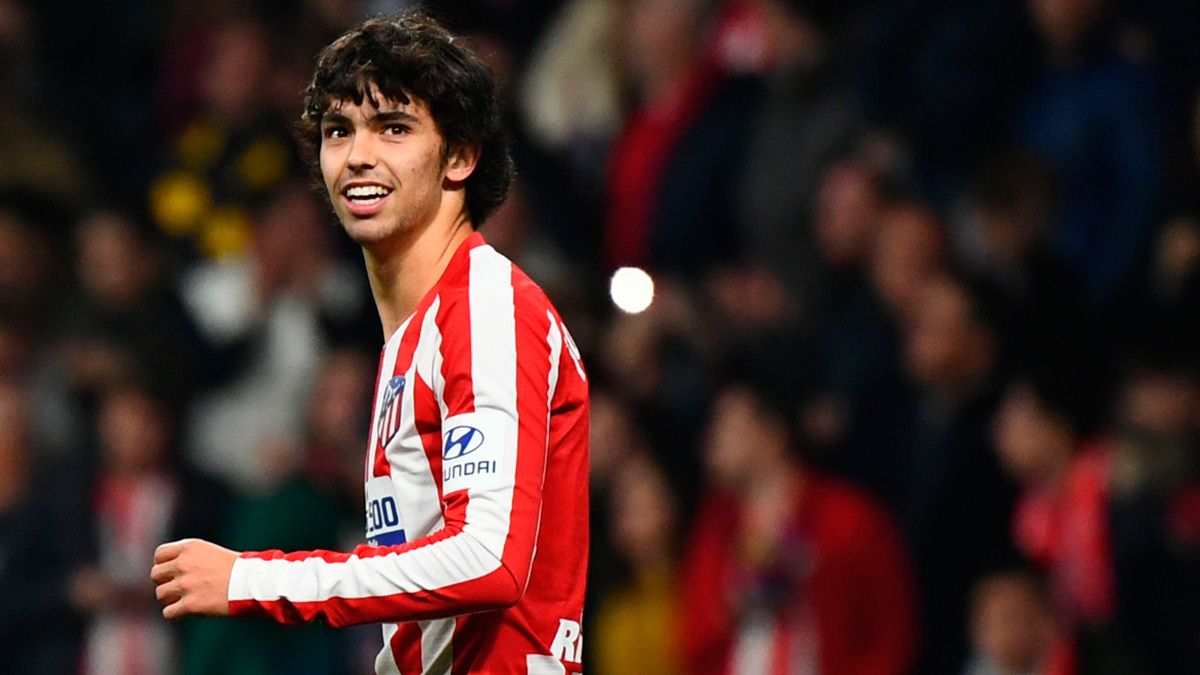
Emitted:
<point x="362" y="153"/>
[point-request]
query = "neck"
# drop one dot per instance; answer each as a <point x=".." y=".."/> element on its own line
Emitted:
<point x="402" y="274"/>
<point x="776" y="480"/>
<point x="129" y="474"/>
<point x="964" y="387"/>
<point x="1055" y="471"/>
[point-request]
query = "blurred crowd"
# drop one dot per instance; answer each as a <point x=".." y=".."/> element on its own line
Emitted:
<point x="919" y="390"/>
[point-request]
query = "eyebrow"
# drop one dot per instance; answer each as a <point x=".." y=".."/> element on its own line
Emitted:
<point x="382" y="117"/>
<point x="385" y="116"/>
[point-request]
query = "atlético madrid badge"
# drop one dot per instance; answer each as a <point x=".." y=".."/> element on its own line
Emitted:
<point x="389" y="411"/>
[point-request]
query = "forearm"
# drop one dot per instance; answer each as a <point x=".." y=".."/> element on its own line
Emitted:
<point x="447" y="574"/>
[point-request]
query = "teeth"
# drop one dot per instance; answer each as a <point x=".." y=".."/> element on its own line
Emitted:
<point x="366" y="192"/>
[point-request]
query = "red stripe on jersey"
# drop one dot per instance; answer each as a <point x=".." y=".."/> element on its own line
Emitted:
<point x="427" y="416"/>
<point x="454" y="508"/>
<point x="406" y="648"/>
<point x="533" y="411"/>
<point x="454" y="322"/>
<point x="477" y="643"/>
<point x="362" y="551"/>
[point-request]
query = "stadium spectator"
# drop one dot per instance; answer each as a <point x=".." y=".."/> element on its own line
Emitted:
<point x="1002" y="236"/>
<point x="936" y="463"/>
<point x="32" y="275"/>
<point x="1176" y="269"/>
<point x="909" y="248"/>
<point x="1014" y="630"/>
<point x="635" y="624"/>
<point x="570" y="96"/>
<point x="39" y="156"/>
<point x="230" y="154"/>
<point x="124" y="317"/>
<point x="1060" y="522"/>
<point x="39" y="540"/>
<point x="669" y="195"/>
<point x="1155" y="511"/>
<point x="799" y="572"/>
<point x="31" y="230"/>
<point x="1091" y="117"/>
<point x="1167" y="298"/>
<point x="140" y="494"/>
<point x="272" y="314"/>
<point x="660" y="359"/>
<point x="614" y="437"/>
<point x="317" y="505"/>
<point x="850" y="343"/>
<point x="806" y="116"/>
<point x="946" y="77"/>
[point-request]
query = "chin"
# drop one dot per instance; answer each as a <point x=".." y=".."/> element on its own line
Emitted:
<point x="377" y="233"/>
<point x="365" y="231"/>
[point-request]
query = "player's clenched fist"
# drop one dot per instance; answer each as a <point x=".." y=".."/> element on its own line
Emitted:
<point x="192" y="578"/>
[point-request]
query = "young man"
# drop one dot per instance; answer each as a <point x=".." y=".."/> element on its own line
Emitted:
<point x="476" y="472"/>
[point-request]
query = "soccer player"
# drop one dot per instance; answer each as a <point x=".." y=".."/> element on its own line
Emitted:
<point x="476" y="470"/>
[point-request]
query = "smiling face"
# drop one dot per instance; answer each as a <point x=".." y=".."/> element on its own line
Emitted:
<point x="387" y="169"/>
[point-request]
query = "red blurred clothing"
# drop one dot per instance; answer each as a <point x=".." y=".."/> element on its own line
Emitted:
<point x="1063" y="659"/>
<point x="643" y="148"/>
<point x="1065" y="531"/>
<point x="842" y="585"/>
<point x="640" y="155"/>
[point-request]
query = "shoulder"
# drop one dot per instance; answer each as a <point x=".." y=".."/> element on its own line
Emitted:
<point x="494" y="287"/>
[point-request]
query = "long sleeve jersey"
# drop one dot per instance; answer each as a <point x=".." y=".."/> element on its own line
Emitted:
<point x="476" y="491"/>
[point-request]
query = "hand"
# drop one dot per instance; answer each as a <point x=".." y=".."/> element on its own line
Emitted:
<point x="192" y="576"/>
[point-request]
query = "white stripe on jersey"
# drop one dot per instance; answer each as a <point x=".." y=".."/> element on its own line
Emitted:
<point x="432" y="336"/>
<point x="494" y="379"/>
<point x="385" y="663"/>
<point x="437" y="654"/>
<point x="444" y="563"/>
<point x="555" y="339"/>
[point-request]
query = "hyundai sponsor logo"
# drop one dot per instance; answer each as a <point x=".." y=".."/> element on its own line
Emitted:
<point x="460" y="441"/>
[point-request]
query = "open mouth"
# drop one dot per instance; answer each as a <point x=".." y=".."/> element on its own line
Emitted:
<point x="366" y="195"/>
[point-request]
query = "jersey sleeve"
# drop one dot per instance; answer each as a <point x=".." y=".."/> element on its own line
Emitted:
<point x="494" y="376"/>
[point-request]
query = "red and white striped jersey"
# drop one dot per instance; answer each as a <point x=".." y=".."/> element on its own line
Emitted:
<point x="477" y="497"/>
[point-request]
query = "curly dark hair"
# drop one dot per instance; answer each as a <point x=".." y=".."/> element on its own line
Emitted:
<point x="412" y="56"/>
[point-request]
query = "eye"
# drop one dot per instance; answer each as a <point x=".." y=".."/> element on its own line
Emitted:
<point x="333" y="131"/>
<point x="396" y="129"/>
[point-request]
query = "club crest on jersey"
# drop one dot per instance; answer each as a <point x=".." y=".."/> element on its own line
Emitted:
<point x="389" y="411"/>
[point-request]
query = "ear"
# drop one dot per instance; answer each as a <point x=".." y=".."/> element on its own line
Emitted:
<point x="461" y="163"/>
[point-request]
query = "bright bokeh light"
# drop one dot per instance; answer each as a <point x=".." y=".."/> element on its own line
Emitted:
<point x="632" y="290"/>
